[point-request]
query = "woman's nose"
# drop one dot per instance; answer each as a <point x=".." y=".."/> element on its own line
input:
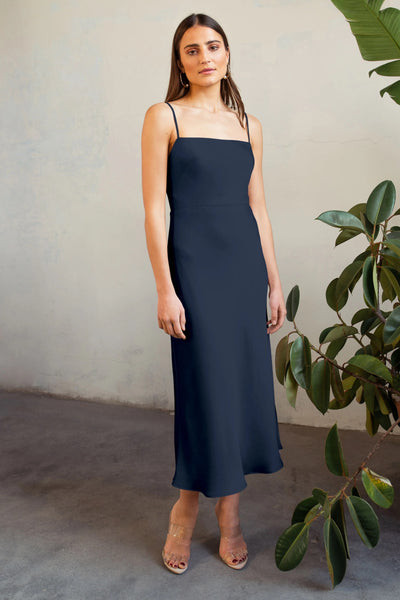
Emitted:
<point x="204" y="56"/>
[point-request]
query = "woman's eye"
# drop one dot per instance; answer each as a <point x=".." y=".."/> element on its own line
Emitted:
<point x="213" y="47"/>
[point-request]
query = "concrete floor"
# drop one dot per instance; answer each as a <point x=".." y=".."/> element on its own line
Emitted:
<point x="85" y="495"/>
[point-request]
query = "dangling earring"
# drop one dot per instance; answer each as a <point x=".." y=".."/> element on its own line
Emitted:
<point x="180" y="77"/>
<point x="228" y="72"/>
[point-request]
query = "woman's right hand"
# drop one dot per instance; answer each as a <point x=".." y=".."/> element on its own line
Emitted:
<point x="171" y="315"/>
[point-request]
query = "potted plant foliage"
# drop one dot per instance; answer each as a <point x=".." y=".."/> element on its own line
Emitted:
<point x="371" y="376"/>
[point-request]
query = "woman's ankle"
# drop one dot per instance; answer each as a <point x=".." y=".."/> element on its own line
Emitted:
<point x="185" y="511"/>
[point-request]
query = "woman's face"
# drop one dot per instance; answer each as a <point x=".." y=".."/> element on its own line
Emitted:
<point x="203" y="48"/>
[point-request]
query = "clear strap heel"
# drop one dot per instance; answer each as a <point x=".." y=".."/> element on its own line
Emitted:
<point x="237" y="555"/>
<point x="177" y="562"/>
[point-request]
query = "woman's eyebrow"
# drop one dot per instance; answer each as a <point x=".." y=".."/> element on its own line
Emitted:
<point x="210" y="42"/>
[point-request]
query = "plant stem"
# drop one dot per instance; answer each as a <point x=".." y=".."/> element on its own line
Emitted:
<point x="363" y="463"/>
<point x="370" y="454"/>
<point x="333" y="362"/>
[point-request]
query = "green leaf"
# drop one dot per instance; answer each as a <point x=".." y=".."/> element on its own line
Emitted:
<point x="395" y="249"/>
<point x="337" y="332"/>
<point x="334" y="454"/>
<point x="320" y="495"/>
<point x="332" y="299"/>
<point x="364" y="519"/>
<point x="390" y="259"/>
<point x="369" y="395"/>
<point x="335" y="551"/>
<point x="346" y="235"/>
<point x="393" y="280"/>
<point x="381" y="25"/>
<point x="291" y="387"/>
<point x="391" y="330"/>
<point x="376" y="340"/>
<point x="300" y="361"/>
<point x="371" y="230"/>
<point x="291" y="546"/>
<point x="390" y="69"/>
<point x="383" y="401"/>
<point x="388" y="291"/>
<point x="324" y="333"/>
<point x="369" y="364"/>
<point x="395" y="360"/>
<point x="320" y="385"/>
<point x="394" y="232"/>
<point x="282" y="358"/>
<point x="369" y="324"/>
<point x="370" y="282"/>
<point x="381" y="202"/>
<point x="342" y="219"/>
<point x="302" y="509"/>
<point x="336" y="384"/>
<point x="335" y="347"/>
<point x="312" y="513"/>
<point x="376" y="32"/>
<point x="292" y="303"/>
<point x="348" y="276"/>
<point x="355" y="385"/>
<point x="393" y="90"/>
<point x="371" y="422"/>
<point x="362" y="315"/>
<point x="384" y="421"/>
<point x="378" y="488"/>
<point x="337" y="404"/>
<point x="337" y="513"/>
<point x="360" y="395"/>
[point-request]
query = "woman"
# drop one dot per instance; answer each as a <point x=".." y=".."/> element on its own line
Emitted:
<point x="212" y="276"/>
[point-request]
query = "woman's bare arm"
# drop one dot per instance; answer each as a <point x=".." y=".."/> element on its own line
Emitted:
<point x="156" y="133"/>
<point x="258" y="205"/>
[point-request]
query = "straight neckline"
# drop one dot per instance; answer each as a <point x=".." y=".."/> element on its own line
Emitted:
<point x="209" y="138"/>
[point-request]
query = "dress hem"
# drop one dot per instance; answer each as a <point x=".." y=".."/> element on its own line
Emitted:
<point x="219" y="494"/>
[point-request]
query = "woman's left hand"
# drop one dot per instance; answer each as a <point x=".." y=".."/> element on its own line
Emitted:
<point x="278" y="310"/>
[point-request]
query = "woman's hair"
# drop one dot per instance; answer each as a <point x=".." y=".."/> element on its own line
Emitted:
<point x="229" y="90"/>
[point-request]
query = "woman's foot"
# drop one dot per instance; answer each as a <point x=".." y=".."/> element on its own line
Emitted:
<point x="182" y="519"/>
<point x="232" y="547"/>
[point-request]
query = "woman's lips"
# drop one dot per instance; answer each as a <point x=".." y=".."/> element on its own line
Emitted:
<point x="207" y="71"/>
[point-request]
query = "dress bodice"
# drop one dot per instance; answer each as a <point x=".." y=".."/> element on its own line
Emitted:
<point x="208" y="171"/>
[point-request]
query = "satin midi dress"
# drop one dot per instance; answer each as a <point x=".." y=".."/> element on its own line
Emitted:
<point x="225" y="421"/>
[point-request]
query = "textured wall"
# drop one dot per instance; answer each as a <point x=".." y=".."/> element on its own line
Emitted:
<point x="78" y="301"/>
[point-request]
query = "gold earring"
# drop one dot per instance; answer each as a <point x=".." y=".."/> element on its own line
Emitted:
<point x="180" y="77"/>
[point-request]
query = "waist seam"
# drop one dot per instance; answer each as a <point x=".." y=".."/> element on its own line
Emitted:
<point x="210" y="205"/>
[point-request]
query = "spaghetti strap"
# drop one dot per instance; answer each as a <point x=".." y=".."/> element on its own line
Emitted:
<point x="176" y="122"/>
<point x="247" y="121"/>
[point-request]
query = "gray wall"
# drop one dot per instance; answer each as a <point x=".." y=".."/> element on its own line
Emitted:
<point x="78" y="311"/>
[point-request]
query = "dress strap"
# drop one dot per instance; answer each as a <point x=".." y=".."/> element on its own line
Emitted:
<point x="247" y="122"/>
<point x="176" y="122"/>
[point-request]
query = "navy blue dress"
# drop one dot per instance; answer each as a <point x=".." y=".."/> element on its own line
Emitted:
<point x="225" y="422"/>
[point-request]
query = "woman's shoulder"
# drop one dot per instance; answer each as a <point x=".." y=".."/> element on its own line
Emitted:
<point x="158" y="116"/>
<point x="158" y="123"/>
<point x="255" y="127"/>
<point x="159" y="108"/>
<point x="253" y="121"/>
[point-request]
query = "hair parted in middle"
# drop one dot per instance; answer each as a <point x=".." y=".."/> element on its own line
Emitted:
<point x="229" y="91"/>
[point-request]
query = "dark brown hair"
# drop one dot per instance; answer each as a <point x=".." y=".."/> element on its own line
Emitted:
<point x="229" y="90"/>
